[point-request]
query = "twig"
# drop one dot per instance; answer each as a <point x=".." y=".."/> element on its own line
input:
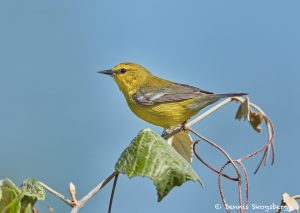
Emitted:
<point x="83" y="201"/>
<point x="77" y="205"/>
<point x="57" y="194"/>
<point x="167" y="136"/>
<point x="112" y="193"/>
<point x="198" y="118"/>
<point x="296" y="197"/>
<point x="208" y="112"/>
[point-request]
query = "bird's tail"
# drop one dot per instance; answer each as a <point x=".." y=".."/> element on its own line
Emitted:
<point x="226" y="95"/>
<point x="206" y="100"/>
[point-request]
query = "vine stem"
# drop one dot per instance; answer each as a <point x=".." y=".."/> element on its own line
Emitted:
<point x="221" y="188"/>
<point x="112" y="193"/>
<point x="269" y="146"/>
<point x="209" y="166"/>
<point x="230" y="161"/>
<point x="220" y="149"/>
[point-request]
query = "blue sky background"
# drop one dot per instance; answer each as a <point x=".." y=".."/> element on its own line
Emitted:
<point x="61" y="121"/>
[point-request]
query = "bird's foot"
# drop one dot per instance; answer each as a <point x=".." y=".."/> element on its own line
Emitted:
<point x="184" y="126"/>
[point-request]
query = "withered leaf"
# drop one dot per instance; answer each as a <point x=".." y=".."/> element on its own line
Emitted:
<point x="255" y="120"/>
<point x="245" y="112"/>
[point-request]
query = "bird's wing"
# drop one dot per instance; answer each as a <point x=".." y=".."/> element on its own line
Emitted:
<point x="170" y="93"/>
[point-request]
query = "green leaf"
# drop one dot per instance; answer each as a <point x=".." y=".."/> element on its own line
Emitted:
<point x="32" y="188"/>
<point x="10" y="197"/>
<point x="28" y="209"/>
<point x="149" y="155"/>
<point x="32" y="191"/>
<point x="13" y="199"/>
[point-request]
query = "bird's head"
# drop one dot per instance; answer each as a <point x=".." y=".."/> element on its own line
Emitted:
<point x="128" y="76"/>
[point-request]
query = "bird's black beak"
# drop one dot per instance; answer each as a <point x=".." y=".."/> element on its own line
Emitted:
<point x="106" y="72"/>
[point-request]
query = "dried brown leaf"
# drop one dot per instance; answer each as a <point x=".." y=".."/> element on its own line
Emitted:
<point x="182" y="142"/>
<point x="244" y="110"/>
<point x="255" y="120"/>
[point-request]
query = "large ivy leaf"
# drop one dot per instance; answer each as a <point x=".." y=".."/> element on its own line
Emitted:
<point x="149" y="155"/>
<point x="13" y="199"/>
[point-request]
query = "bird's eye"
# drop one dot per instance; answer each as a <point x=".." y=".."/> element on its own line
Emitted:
<point x="123" y="70"/>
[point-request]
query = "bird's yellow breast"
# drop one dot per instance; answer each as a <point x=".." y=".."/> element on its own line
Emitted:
<point x="164" y="114"/>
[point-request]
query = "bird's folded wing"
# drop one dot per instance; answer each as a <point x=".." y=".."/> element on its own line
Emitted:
<point x="170" y="93"/>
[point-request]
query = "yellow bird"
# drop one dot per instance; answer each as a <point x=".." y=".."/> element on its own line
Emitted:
<point x="158" y="101"/>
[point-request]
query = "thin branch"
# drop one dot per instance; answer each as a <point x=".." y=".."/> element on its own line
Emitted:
<point x="112" y="193"/>
<point x="82" y="202"/>
<point x="198" y="118"/>
<point x="57" y="194"/>
<point x="296" y="197"/>
<point x="76" y="206"/>
<point x="167" y="136"/>
<point x="208" y="112"/>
